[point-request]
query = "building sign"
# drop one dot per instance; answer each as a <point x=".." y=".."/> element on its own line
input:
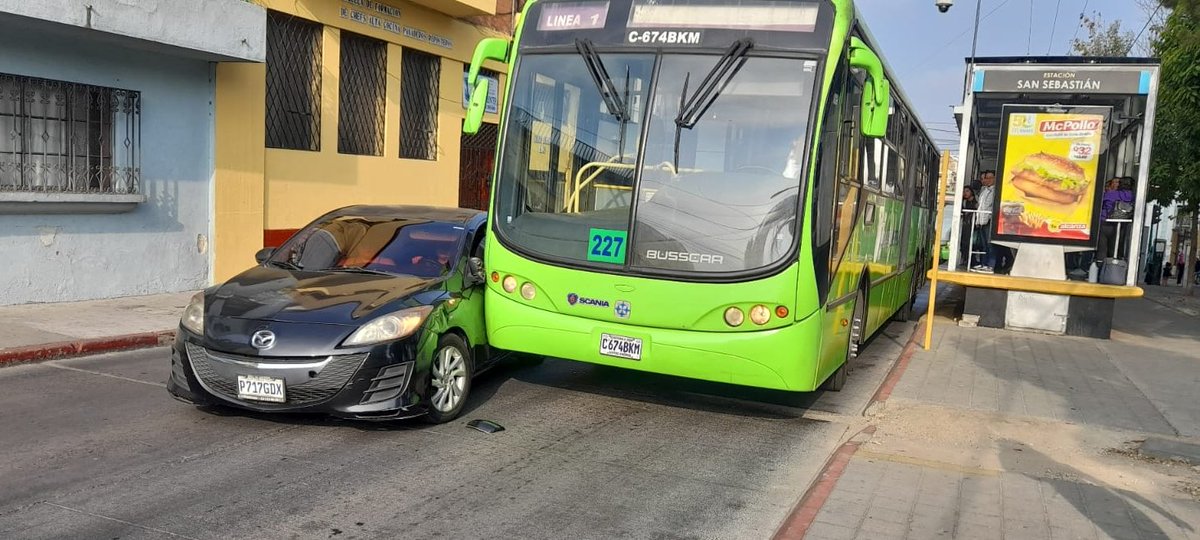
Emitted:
<point x="493" y="99"/>
<point x="421" y="35"/>
<point x="372" y="13"/>
<point x="1047" y="187"/>
<point x="1064" y="81"/>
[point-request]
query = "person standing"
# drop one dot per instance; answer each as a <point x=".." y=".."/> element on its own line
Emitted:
<point x="968" y="239"/>
<point x="987" y="206"/>
<point x="1117" y="204"/>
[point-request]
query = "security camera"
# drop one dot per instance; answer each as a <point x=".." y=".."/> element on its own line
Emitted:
<point x="943" y="5"/>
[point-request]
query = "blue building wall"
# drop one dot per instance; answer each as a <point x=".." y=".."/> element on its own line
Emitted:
<point x="162" y="246"/>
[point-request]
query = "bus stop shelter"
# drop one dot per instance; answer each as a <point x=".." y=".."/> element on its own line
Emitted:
<point x="1055" y="130"/>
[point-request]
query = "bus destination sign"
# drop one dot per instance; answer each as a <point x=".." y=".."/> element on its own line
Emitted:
<point x="573" y="16"/>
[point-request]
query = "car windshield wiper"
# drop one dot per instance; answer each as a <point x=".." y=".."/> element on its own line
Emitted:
<point x="358" y="270"/>
<point x="604" y="83"/>
<point x="713" y="84"/>
<point x="285" y="264"/>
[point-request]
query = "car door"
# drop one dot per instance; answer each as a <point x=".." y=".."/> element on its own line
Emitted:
<point x="467" y="313"/>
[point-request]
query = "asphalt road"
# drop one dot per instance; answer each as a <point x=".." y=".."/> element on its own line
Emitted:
<point x="95" y="448"/>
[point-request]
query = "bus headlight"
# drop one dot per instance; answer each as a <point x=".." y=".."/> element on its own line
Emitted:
<point x="760" y="314"/>
<point x="734" y="317"/>
<point x="510" y="284"/>
<point x="528" y="291"/>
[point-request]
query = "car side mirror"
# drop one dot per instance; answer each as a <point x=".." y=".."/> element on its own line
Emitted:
<point x="264" y="254"/>
<point x="475" y="271"/>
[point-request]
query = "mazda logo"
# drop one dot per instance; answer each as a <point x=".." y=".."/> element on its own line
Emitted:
<point x="262" y="340"/>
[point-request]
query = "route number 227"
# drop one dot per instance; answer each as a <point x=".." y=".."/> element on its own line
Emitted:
<point x="607" y="246"/>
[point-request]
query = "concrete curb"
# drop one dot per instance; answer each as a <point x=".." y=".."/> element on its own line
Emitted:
<point x="67" y="349"/>
<point x="805" y="512"/>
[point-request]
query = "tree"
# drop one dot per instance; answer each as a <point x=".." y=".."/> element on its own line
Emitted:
<point x="1175" y="171"/>
<point x="1102" y="39"/>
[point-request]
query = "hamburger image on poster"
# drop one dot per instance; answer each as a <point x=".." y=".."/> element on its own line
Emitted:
<point x="1047" y="178"/>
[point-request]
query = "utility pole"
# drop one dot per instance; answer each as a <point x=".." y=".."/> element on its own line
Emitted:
<point x="974" y="44"/>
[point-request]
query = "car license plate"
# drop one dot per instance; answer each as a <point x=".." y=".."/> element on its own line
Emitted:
<point x="261" y="388"/>
<point x="621" y="346"/>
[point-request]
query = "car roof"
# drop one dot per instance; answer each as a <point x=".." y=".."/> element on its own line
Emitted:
<point x="411" y="212"/>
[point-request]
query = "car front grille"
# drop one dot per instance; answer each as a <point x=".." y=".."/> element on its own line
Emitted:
<point x="328" y="382"/>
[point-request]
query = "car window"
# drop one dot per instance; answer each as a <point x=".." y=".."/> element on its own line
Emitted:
<point x="398" y="246"/>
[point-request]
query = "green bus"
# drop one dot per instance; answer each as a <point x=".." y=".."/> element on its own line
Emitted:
<point x="725" y="190"/>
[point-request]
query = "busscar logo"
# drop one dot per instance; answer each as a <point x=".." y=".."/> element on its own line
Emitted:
<point x="701" y="258"/>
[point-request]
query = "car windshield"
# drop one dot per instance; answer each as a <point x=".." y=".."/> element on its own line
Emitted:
<point x="387" y="245"/>
<point x="717" y="191"/>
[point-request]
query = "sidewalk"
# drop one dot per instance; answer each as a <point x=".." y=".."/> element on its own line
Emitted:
<point x="41" y="331"/>
<point x="1001" y="434"/>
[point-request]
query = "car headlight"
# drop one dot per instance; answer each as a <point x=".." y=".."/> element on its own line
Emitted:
<point x="193" y="314"/>
<point x="389" y="327"/>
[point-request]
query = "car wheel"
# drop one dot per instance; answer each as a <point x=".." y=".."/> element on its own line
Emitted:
<point x="450" y="375"/>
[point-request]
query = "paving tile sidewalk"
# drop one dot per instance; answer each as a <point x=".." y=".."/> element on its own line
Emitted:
<point x="1002" y="434"/>
<point x="36" y="331"/>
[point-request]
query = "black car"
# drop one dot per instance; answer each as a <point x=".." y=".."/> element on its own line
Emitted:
<point x="369" y="312"/>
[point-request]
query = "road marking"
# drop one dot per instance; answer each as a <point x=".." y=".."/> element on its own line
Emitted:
<point x="85" y="512"/>
<point x="69" y="368"/>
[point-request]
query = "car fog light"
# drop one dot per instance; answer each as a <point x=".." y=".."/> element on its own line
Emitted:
<point x="510" y="284"/>
<point x="734" y="317"/>
<point x="760" y="314"/>
<point x="528" y="291"/>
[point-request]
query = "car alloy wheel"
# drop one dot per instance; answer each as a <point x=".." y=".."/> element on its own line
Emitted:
<point x="449" y="379"/>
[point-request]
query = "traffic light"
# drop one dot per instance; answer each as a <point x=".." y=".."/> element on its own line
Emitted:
<point x="1157" y="216"/>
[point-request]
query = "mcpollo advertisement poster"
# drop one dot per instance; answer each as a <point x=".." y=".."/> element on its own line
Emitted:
<point x="1049" y="176"/>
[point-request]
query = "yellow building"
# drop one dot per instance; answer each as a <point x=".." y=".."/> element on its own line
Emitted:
<point x="360" y="101"/>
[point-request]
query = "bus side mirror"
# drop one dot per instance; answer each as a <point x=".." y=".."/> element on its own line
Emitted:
<point x="877" y="96"/>
<point x="875" y="111"/>
<point x="476" y="107"/>
<point x="488" y="49"/>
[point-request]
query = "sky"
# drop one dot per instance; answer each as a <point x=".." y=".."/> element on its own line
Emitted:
<point x="927" y="49"/>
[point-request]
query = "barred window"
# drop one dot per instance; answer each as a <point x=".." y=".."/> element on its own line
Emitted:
<point x="419" y="87"/>
<point x="65" y="137"/>
<point x="293" y="82"/>
<point x="362" y="95"/>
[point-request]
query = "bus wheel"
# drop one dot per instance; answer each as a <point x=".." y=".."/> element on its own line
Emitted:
<point x="837" y="381"/>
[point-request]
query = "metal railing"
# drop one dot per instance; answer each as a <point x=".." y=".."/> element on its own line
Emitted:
<point x="66" y="137"/>
<point x="419" y="87"/>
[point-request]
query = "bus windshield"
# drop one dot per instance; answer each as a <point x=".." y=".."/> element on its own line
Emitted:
<point x="718" y="188"/>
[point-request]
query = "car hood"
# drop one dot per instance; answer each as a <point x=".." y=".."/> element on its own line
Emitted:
<point x="277" y="294"/>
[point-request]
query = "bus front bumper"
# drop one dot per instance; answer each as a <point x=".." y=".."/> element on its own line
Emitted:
<point x="784" y="358"/>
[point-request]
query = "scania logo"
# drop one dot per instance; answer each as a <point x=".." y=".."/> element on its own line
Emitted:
<point x="572" y="298"/>
<point x="262" y="340"/>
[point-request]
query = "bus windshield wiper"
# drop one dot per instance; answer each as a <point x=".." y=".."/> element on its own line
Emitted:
<point x="604" y="83"/>
<point x="713" y="84"/>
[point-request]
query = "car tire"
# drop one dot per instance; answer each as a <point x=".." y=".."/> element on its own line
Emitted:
<point x="450" y="372"/>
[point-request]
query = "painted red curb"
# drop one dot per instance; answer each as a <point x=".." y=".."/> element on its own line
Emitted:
<point x="805" y="513"/>
<point x="897" y="371"/>
<point x="50" y="351"/>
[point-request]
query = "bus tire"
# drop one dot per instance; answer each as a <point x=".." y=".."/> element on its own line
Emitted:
<point x="837" y="380"/>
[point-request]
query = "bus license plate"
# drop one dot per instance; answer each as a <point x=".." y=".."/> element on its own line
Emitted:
<point x="261" y="388"/>
<point x="621" y="346"/>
